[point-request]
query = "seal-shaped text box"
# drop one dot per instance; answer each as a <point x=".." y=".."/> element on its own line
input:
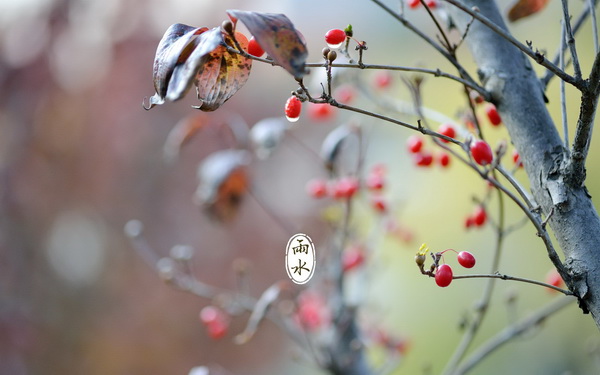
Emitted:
<point x="300" y="259"/>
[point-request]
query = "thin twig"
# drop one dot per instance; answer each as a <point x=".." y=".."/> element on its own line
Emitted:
<point x="446" y="42"/>
<point x="571" y="40"/>
<point x="465" y="33"/>
<point x="514" y="278"/>
<point x="462" y="71"/>
<point x="585" y="13"/>
<point x="592" y="8"/>
<point x="513" y="331"/>
<point x="536" y="56"/>
<point x="518" y="187"/>
<point x="563" y="98"/>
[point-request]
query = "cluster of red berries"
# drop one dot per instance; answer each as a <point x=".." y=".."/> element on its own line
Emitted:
<point x="215" y="320"/>
<point x="425" y="158"/>
<point x="478" y="217"/>
<point x="346" y="187"/>
<point x="444" y="275"/>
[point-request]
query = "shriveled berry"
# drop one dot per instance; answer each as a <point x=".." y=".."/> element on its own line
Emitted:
<point x="443" y="276"/>
<point x="476" y="97"/>
<point x="447" y="130"/>
<point x="479" y="216"/>
<point x="413" y="4"/>
<point x="293" y="107"/>
<point x="345" y="188"/>
<point x="414" y="143"/>
<point x="335" y="37"/>
<point x="254" y="48"/>
<point x="320" y="111"/>
<point x="317" y="188"/>
<point x="423" y="159"/>
<point x="517" y="159"/>
<point x="375" y="181"/>
<point x="466" y="259"/>
<point x="492" y="114"/>
<point x="383" y="79"/>
<point x="481" y="152"/>
<point x="352" y="258"/>
<point x="444" y="159"/>
<point x="379" y="204"/>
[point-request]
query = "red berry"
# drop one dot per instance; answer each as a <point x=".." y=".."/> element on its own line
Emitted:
<point x="344" y="94"/>
<point x="352" y="258"/>
<point x="466" y="259"/>
<point x="312" y="311"/>
<point x="423" y="159"/>
<point x="320" y="112"/>
<point x="335" y="37"/>
<point x="444" y="159"/>
<point x="517" y="159"/>
<point x="469" y="222"/>
<point x="492" y="114"/>
<point x="481" y="152"/>
<point x="379" y="204"/>
<point x="345" y="188"/>
<point x="476" y="97"/>
<point x="431" y="4"/>
<point x="414" y="143"/>
<point x="215" y="321"/>
<point x="443" y="276"/>
<point x="553" y="278"/>
<point x="413" y="4"/>
<point x="479" y="216"/>
<point x="383" y="79"/>
<point x="254" y="48"/>
<point x="375" y="181"/>
<point x="293" y="107"/>
<point x="317" y="188"/>
<point x="447" y="130"/>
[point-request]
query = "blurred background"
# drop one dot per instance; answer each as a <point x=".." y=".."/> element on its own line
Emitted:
<point x="79" y="157"/>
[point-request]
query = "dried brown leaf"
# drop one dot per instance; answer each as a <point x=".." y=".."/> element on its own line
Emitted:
<point x="525" y="8"/>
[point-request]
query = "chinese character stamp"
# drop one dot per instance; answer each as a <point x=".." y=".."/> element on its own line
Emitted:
<point x="300" y="259"/>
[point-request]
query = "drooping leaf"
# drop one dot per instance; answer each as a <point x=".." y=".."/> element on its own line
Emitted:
<point x="222" y="74"/>
<point x="222" y="183"/>
<point x="278" y="37"/>
<point x="175" y="46"/>
<point x="525" y="8"/>
<point x="187" y="56"/>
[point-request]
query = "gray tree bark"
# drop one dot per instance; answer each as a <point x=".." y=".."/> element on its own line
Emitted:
<point x="508" y="75"/>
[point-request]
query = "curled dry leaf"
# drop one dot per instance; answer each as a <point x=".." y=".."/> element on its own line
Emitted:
<point x="198" y="56"/>
<point x="222" y="183"/>
<point x="525" y="8"/>
<point x="278" y="37"/>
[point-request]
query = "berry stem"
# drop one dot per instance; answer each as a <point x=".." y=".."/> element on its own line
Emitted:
<point x="514" y="278"/>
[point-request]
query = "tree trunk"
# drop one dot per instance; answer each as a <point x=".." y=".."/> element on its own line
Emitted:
<point x="507" y="74"/>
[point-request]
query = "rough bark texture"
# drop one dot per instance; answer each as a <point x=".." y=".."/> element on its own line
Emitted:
<point x="506" y="72"/>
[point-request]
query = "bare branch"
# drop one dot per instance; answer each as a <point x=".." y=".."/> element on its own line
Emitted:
<point x="571" y="40"/>
<point x="514" y="278"/>
<point x="536" y="56"/>
<point x="591" y="4"/>
<point x="513" y="331"/>
<point x="563" y="98"/>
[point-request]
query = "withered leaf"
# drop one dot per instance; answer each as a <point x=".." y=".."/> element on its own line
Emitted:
<point x="525" y="8"/>
<point x="278" y="37"/>
<point x="198" y="56"/>
<point x="222" y="183"/>
<point x="183" y="131"/>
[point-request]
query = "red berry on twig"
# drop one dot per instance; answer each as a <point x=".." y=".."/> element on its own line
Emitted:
<point x="447" y="130"/>
<point x="414" y="143"/>
<point x="335" y="37"/>
<point x="292" y="110"/>
<point x="481" y="152"/>
<point x="466" y="259"/>
<point x="254" y="48"/>
<point x="443" y="276"/>
<point x="492" y="114"/>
